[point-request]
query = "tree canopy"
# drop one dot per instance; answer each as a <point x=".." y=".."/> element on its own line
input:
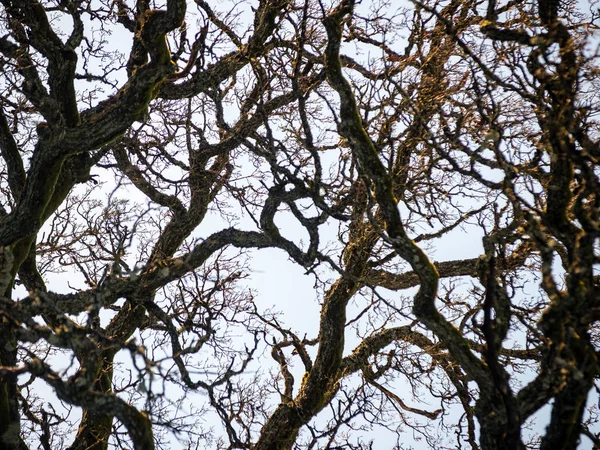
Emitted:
<point x="430" y="168"/>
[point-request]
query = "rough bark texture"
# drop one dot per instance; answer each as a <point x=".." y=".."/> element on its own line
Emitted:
<point x="355" y="139"/>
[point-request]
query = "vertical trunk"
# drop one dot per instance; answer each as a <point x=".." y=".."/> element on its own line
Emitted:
<point x="497" y="431"/>
<point x="94" y="428"/>
<point x="93" y="433"/>
<point x="10" y="425"/>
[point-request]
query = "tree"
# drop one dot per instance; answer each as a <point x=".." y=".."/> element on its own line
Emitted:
<point x="150" y="150"/>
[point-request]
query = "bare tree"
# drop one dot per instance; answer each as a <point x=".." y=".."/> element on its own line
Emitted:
<point x="151" y="150"/>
